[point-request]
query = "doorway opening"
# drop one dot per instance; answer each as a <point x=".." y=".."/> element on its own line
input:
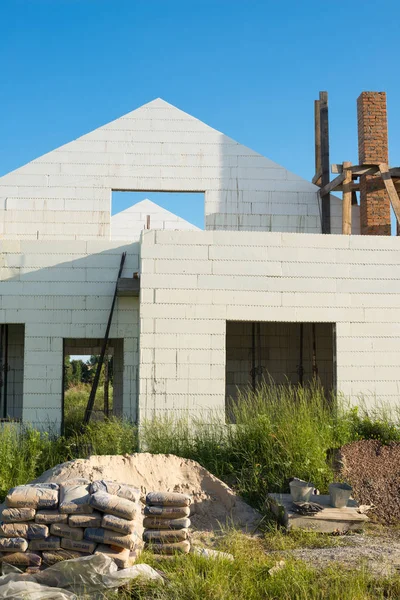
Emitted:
<point x="80" y="360"/>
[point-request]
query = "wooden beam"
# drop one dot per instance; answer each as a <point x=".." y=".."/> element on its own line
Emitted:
<point x="317" y="178"/>
<point x="332" y="185"/>
<point x="317" y="138"/>
<point x="324" y="137"/>
<point x="346" y="204"/>
<point x="357" y="170"/>
<point x="391" y="190"/>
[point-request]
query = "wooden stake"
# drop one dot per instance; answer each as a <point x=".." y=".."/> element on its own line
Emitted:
<point x="391" y="190"/>
<point x="346" y="204"/>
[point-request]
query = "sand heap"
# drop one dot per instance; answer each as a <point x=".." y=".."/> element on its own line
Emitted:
<point x="214" y="503"/>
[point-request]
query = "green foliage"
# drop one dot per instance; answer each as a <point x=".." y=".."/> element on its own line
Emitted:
<point x="75" y="401"/>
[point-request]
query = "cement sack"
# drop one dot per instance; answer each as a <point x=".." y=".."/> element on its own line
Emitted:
<point x="93" y="520"/>
<point x="22" y="559"/>
<point x="104" y="536"/>
<point x="121" y="556"/>
<point x="50" y="543"/>
<point x="117" y="524"/>
<point x="175" y="548"/>
<point x="30" y="531"/>
<point x="16" y="544"/>
<point x="33" y="496"/>
<point x="113" y="505"/>
<point x="75" y="497"/>
<point x="65" y="531"/>
<point x="52" y="557"/>
<point x="129" y="492"/>
<point x="18" y="515"/>
<point x="82" y="546"/>
<point x="164" y="536"/>
<point x="47" y="517"/>
<point x="167" y="499"/>
<point x="156" y="523"/>
<point x="167" y="512"/>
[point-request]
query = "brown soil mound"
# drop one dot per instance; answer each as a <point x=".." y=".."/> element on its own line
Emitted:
<point x="373" y="470"/>
<point x="214" y="503"/>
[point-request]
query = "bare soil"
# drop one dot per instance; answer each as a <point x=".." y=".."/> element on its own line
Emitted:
<point x="373" y="470"/>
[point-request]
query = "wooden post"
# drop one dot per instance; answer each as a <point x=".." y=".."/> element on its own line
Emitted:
<point x="317" y="135"/>
<point x="346" y="204"/>
<point x="325" y="176"/>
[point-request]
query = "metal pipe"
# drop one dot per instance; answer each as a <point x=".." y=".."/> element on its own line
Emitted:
<point x="314" y="353"/>
<point x="5" y="388"/>
<point x="253" y="356"/>
<point x="259" y="367"/>
<point x="301" y="368"/>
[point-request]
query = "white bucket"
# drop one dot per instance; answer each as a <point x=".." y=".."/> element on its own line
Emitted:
<point x="301" y="491"/>
<point x="340" y="494"/>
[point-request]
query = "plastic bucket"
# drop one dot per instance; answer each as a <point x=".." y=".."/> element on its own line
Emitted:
<point x="301" y="491"/>
<point x="340" y="494"/>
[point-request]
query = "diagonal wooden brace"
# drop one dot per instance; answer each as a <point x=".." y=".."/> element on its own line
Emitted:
<point x="391" y="190"/>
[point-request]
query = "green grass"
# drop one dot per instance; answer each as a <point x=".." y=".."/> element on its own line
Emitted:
<point x="191" y="577"/>
<point x="75" y="401"/>
<point x="280" y="431"/>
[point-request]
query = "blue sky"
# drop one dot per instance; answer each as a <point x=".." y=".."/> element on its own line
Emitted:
<point x="248" y="68"/>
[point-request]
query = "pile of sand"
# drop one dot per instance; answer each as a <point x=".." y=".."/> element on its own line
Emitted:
<point x="214" y="503"/>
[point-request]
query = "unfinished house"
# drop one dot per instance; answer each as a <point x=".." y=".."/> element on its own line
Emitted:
<point x="279" y="283"/>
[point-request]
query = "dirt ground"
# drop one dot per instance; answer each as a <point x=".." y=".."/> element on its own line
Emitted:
<point x="373" y="470"/>
<point x="377" y="550"/>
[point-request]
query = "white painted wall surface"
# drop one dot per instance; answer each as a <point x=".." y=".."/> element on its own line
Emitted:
<point x="66" y="194"/>
<point x="129" y="223"/>
<point x="64" y="290"/>
<point x="192" y="282"/>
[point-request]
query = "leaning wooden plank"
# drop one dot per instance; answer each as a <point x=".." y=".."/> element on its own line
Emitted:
<point x="346" y="204"/>
<point x="391" y="190"/>
<point x="332" y="185"/>
<point x="316" y="180"/>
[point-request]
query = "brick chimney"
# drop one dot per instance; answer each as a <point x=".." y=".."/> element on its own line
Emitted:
<point x="373" y="148"/>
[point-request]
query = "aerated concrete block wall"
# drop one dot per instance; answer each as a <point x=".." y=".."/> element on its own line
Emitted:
<point x="64" y="290"/>
<point x="66" y="194"/>
<point x="194" y="282"/>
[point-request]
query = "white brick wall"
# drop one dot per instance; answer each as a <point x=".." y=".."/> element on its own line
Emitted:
<point x="65" y="290"/>
<point x="66" y="194"/>
<point x="129" y="223"/>
<point x="212" y="277"/>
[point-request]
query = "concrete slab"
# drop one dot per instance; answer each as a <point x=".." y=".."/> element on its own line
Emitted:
<point x="328" y="520"/>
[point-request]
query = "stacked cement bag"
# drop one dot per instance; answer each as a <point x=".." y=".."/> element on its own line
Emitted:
<point x="167" y="522"/>
<point x="47" y="523"/>
<point x="116" y="534"/>
<point x="22" y="535"/>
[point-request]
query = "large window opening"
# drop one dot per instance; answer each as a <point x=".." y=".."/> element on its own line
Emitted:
<point x="131" y="212"/>
<point x="80" y="358"/>
<point x="12" y="347"/>
<point x="286" y="352"/>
